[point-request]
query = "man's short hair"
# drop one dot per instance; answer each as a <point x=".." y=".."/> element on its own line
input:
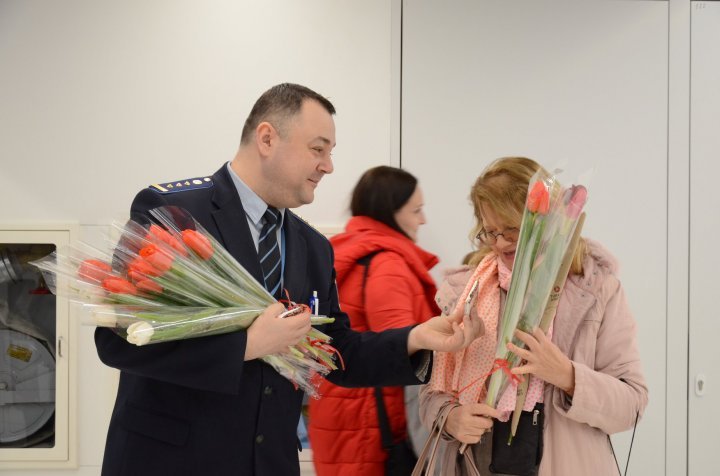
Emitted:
<point x="278" y="105"/>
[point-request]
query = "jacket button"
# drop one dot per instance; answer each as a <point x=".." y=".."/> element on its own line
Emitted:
<point x="268" y="390"/>
<point x="259" y="439"/>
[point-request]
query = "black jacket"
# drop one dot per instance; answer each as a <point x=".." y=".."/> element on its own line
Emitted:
<point x="194" y="407"/>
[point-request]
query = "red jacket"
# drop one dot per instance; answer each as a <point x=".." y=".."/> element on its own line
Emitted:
<point x="399" y="292"/>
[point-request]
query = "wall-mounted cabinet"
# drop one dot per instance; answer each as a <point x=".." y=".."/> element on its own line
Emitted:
<point x="37" y="358"/>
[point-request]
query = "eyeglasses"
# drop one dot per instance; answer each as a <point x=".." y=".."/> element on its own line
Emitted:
<point x="490" y="238"/>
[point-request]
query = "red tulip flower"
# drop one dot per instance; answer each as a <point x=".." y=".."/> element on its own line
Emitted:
<point x="156" y="233"/>
<point x="538" y="200"/>
<point x="93" y="270"/>
<point x="119" y="286"/>
<point x="159" y="259"/>
<point x="199" y="243"/>
<point x="149" y="285"/>
<point x="134" y="276"/>
<point x="140" y="267"/>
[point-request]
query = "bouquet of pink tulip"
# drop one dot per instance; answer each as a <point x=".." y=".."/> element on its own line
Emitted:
<point x="170" y="282"/>
<point x="549" y="222"/>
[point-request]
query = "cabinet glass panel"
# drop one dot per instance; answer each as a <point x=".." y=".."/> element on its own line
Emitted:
<point x="28" y="335"/>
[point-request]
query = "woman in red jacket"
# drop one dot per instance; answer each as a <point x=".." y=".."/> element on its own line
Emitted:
<point x="387" y="210"/>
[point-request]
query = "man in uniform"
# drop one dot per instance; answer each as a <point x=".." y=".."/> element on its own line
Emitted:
<point x="208" y="406"/>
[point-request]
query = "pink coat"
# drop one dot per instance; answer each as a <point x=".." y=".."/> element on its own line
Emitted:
<point x="594" y="327"/>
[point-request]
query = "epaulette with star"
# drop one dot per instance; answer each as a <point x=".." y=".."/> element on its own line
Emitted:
<point x="182" y="185"/>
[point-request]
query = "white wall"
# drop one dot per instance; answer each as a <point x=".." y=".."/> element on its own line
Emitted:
<point x="100" y="98"/>
<point x="106" y="97"/>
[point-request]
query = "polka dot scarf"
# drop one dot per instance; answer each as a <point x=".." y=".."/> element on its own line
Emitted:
<point x="464" y="373"/>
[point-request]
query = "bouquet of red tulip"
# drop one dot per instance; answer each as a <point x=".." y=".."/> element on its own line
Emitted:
<point x="175" y="281"/>
<point x="549" y="222"/>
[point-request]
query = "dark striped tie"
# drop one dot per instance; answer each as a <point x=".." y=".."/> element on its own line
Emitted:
<point x="269" y="251"/>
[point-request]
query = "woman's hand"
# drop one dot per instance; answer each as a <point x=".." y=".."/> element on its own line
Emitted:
<point x="467" y="423"/>
<point x="544" y="360"/>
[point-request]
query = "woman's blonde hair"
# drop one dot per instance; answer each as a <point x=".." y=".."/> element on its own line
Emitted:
<point x="503" y="187"/>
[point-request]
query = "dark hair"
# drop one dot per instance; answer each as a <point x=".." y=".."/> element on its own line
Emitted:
<point x="381" y="192"/>
<point x="279" y="104"/>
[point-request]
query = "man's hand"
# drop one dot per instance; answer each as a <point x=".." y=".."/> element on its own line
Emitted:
<point x="467" y="423"/>
<point x="444" y="333"/>
<point x="270" y="334"/>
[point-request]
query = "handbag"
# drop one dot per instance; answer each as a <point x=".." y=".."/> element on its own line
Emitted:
<point x="401" y="458"/>
<point x="428" y="456"/>
<point x="521" y="456"/>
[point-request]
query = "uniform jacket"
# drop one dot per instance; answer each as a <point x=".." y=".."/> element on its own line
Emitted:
<point x="594" y="327"/>
<point x="399" y="291"/>
<point x="194" y="407"/>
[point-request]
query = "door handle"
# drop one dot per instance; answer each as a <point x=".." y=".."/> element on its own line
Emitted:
<point x="700" y="385"/>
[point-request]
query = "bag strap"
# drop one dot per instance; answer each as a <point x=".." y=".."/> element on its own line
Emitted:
<point x="383" y="421"/>
<point x="387" y="440"/>
<point x="365" y="262"/>
<point x="428" y="455"/>
<point x="627" y="463"/>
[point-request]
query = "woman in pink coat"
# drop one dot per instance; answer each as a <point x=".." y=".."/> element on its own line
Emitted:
<point x="397" y="291"/>
<point x="588" y="375"/>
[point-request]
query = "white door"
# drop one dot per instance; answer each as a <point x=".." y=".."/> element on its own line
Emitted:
<point x="704" y="377"/>
<point x="580" y="82"/>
